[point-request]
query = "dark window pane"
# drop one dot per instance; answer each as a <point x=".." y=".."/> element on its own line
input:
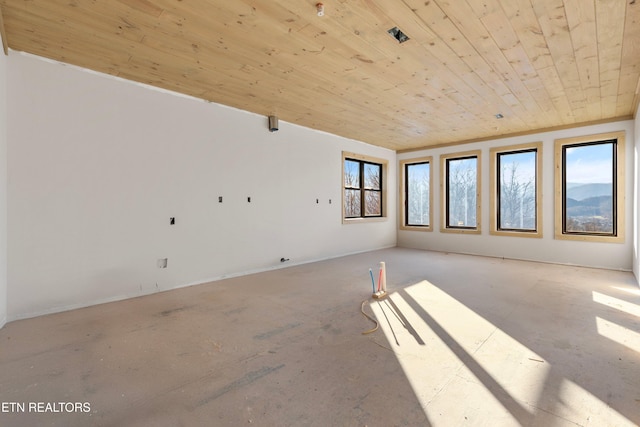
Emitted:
<point x="517" y="191"/>
<point x="362" y="189"/>
<point x="461" y="192"/>
<point x="373" y="203"/>
<point x="589" y="188"/>
<point x="352" y="204"/>
<point x="417" y="186"/>
<point x="351" y="174"/>
<point x="372" y="176"/>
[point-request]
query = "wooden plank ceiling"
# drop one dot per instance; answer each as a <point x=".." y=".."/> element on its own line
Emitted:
<point x="540" y="63"/>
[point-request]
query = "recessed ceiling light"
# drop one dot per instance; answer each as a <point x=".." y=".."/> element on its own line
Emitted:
<point x="397" y="34"/>
<point x="499" y="116"/>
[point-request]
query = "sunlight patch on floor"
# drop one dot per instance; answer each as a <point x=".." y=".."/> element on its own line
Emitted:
<point x="464" y="369"/>
<point x="629" y="290"/>
<point x="620" y="334"/>
<point x="617" y="303"/>
<point x="587" y="409"/>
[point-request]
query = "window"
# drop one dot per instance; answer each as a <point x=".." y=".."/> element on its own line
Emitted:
<point x="516" y="182"/>
<point x="461" y="192"/>
<point x="590" y="188"/>
<point x="363" y="183"/>
<point x="416" y="178"/>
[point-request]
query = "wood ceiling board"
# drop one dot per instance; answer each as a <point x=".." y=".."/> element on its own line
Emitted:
<point x="581" y="18"/>
<point x="541" y="64"/>
<point x="629" y="64"/>
<point x="481" y="39"/>
<point x="489" y="102"/>
<point x="506" y="39"/>
<point x="402" y="70"/>
<point x="72" y="21"/>
<point x="525" y="23"/>
<point x="320" y="77"/>
<point x="609" y="15"/>
<point x="553" y="22"/>
<point x="143" y="6"/>
<point x="530" y="36"/>
<point x="433" y="16"/>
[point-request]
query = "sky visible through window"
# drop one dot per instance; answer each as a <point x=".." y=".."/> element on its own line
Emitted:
<point x="524" y="163"/>
<point x="589" y="164"/>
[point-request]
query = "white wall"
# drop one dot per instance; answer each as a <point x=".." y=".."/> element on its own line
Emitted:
<point x="3" y="189"/>
<point x="546" y="249"/>
<point x="98" y="165"/>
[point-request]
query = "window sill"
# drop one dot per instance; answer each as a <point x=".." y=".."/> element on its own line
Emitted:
<point x="461" y="230"/>
<point x="363" y="220"/>
<point x="530" y="234"/>
<point x="415" y="228"/>
<point x="590" y="238"/>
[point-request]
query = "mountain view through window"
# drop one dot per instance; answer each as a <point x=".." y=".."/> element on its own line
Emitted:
<point x="589" y="182"/>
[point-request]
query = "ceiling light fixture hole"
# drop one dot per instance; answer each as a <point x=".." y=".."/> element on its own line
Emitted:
<point x="397" y="34"/>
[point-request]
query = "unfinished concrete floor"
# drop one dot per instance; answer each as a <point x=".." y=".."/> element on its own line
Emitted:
<point x="463" y="340"/>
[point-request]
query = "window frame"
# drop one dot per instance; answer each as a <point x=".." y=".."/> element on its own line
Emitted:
<point x="618" y="202"/>
<point x="444" y="158"/>
<point x="495" y="196"/>
<point x="403" y="188"/>
<point x="364" y="159"/>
